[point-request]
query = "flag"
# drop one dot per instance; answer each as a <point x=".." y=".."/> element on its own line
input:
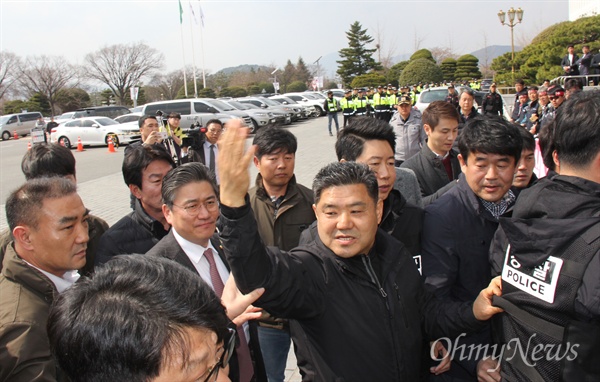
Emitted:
<point x="201" y="14"/>
<point x="180" y="13"/>
<point x="193" y="13"/>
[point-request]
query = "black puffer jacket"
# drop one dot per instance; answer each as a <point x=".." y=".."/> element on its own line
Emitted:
<point x="134" y="233"/>
<point x="357" y="319"/>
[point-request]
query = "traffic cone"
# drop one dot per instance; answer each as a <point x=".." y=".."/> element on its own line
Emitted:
<point x="111" y="145"/>
<point x="15" y="135"/>
<point x="79" y="144"/>
<point x="28" y="146"/>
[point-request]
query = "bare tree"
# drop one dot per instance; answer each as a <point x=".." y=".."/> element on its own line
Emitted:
<point x="441" y="53"/>
<point x="9" y="67"/>
<point x="385" y="54"/>
<point x="122" y="66"/>
<point x="168" y="84"/>
<point x="47" y="75"/>
<point x="418" y="40"/>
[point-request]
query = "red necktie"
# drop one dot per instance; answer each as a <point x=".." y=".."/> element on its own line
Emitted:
<point x="242" y="350"/>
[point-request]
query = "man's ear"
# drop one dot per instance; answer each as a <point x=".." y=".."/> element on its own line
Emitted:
<point x="379" y="208"/>
<point x="257" y="163"/>
<point x="135" y="190"/>
<point x="463" y="163"/>
<point x="167" y="212"/>
<point x="22" y="236"/>
<point x="427" y="129"/>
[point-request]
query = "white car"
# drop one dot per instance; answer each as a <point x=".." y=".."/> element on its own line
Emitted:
<point x="94" y="131"/>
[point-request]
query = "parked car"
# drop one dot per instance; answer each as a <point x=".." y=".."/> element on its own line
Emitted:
<point x="64" y="117"/>
<point x="294" y="112"/>
<point x="101" y="111"/>
<point x="308" y="99"/>
<point x="192" y="111"/>
<point x="21" y="123"/>
<point x="260" y="117"/>
<point x="308" y="110"/>
<point x="221" y="107"/>
<point x="131" y="117"/>
<point x="485" y="84"/>
<point x="94" y="131"/>
<point x="439" y="94"/>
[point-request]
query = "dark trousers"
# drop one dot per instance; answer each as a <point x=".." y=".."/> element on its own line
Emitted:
<point x="347" y="119"/>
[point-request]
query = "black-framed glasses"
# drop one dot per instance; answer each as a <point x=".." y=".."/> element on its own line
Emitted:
<point x="211" y="205"/>
<point x="213" y="372"/>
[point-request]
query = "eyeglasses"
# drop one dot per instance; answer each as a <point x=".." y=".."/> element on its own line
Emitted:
<point x="213" y="372"/>
<point x="211" y="205"/>
<point x="552" y="98"/>
<point x="215" y="131"/>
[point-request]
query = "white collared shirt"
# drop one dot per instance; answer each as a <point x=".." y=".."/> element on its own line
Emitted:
<point x="61" y="283"/>
<point x="207" y="145"/>
<point x="195" y="253"/>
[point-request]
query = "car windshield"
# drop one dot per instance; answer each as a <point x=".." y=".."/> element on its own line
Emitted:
<point x="238" y="105"/>
<point x="270" y="102"/>
<point x="309" y="96"/>
<point x="4" y="119"/>
<point x="286" y="99"/>
<point x="220" y="105"/>
<point x="433" y="95"/>
<point x="106" y="121"/>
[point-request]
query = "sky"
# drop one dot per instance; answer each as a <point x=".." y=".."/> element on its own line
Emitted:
<point x="261" y="32"/>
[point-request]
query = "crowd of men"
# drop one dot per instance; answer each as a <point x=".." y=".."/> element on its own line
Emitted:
<point x="210" y="278"/>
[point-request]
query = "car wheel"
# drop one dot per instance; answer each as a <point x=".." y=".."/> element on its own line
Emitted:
<point x="254" y="127"/>
<point x="5" y="135"/>
<point x="320" y="111"/>
<point x="114" y="138"/>
<point x="64" y="141"/>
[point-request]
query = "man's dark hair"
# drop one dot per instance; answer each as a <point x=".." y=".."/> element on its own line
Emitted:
<point x="138" y="158"/>
<point x="182" y="175"/>
<point x="24" y="204"/>
<point x="573" y="84"/>
<point x="272" y="140"/>
<point x="570" y="46"/>
<point x="214" y="120"/>
<point x="490" y="135"/>
<point x="528" y="140"/>
<point x="128" y="320"/>
<point x="577" y="129"/>
<point x="143" y="119"/>
<point x="532" y="87"/>
<point x="519" y="81"/>
<point x="345" y="174"/>
<point x="546" y="141"/>
<point x="439" y="110"/>
<point x="351" y="139"/>
<point x="48" y="160"/>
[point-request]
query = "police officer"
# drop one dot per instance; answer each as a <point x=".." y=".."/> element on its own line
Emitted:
<point x="347" y="105"/>
<point x="360" y="103"/>
<point x="452" y="96"/>
<point x="380" y="103"/>
<point x="332" y="107"/>
<point x="492" y="102"/>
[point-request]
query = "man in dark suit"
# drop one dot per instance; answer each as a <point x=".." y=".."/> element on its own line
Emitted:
<point x="568" y="62"/>
<point x="436" y="165"/>
<point x="191" y="207"/>
<point x="207" y="152"/>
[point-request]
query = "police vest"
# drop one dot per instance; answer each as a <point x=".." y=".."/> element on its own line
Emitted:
<point x="380" y="101"/>
<point x="361" y="105"/>
<point x="332" y="105"/>
<point x="540" y="314"/>
<point x="347" y="106"/>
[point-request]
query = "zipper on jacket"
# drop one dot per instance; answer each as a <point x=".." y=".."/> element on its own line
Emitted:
<point x="372" y="275"/>
<point x="402" y="306"/>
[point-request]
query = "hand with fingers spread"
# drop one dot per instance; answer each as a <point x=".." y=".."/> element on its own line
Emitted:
<point x="233" y="164"/>
<point x="239" y="306"/>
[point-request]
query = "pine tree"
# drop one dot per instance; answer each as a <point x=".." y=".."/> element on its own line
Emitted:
<point x="302" y="72"/>
<point x="357" y="59"/>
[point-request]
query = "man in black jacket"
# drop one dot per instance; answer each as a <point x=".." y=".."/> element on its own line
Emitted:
<point x="144" y="168"/>
<point x="460" y="225"/>
<point x="492" y="102"/>
<point x="548" y="254"/>
<point x="569" y="62"/>
<point x="355" y="300"/>
<point x="436" y="165"/>
<point x="372" y="142"/>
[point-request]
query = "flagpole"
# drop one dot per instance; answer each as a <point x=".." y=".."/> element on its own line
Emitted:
<point x="182" y="48"/>
<point x="193" y="54"/>
<point x="202" y="44"/>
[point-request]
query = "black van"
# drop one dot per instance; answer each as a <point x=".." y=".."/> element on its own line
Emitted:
<point x="101" y="111"/>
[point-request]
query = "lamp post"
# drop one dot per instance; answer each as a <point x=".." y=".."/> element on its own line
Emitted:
<point x="511" y="23"/>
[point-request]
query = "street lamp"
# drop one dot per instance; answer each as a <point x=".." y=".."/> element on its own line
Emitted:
<point x="511" y="23"/>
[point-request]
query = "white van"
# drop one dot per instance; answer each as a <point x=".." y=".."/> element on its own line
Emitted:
<point x="22" y="123"/>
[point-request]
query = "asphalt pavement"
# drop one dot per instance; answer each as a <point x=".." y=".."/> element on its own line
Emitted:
<point x="103" y="191"/>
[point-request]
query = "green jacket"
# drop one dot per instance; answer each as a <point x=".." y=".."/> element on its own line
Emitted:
<point x="26" y="296"/>
<point x="282" y="227"/>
